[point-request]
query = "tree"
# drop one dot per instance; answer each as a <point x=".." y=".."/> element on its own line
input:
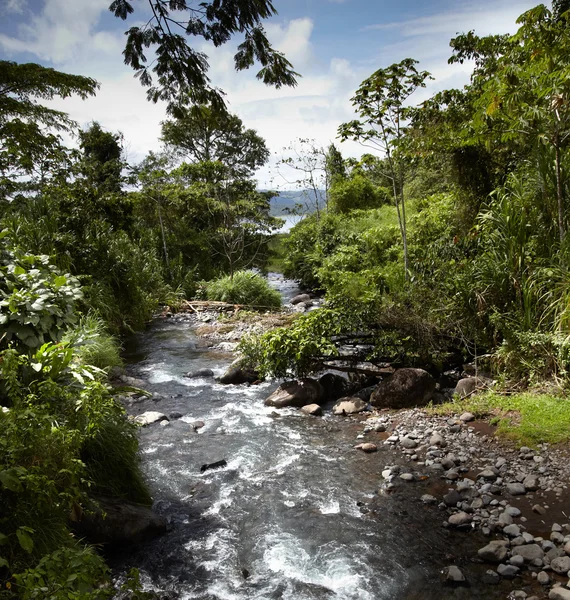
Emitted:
<point x="28" y="145"/>
<point x="180" y="71"/>
<point x="528" y="99"/>
<point x="304" y="165"/>
<point x="203" y="134"/>
<point x="380" y="102"/>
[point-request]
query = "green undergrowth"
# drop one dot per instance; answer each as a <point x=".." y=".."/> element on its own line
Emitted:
<point x="276" y="258"/>
<point x="526" y="418"/>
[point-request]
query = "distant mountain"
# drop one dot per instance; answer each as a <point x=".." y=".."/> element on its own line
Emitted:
<point x="289" y="199"/>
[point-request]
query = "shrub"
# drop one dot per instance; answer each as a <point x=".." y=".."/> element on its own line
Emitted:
<point x="245" y="287"/>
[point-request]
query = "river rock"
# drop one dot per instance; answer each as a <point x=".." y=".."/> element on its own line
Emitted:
<point x="516" y="489"/>
<point x="466" y="386"/>
<point x="494" y="552"/>
<point x="118" y="522"/>
<point x="300" y="298"/>
<point x="404" y="389"/>
<point x="349" y="406"/>
<point x="560" y="565"/>
<point x="149" y="417"/>
<point x="459" y="518"/>
<point x="453" y="574"/>
<point x="298" y="392"/>
<point x="200" y="373"/>
<point x="507" y="571"/>
<point x="334" y="386"/>
<point x="529" y="552"/>
<point x="313" y="410"/>
<point x="238" y="373"/>
<point x="409" y="443"/>
<point x="559" y="593"/>
<point x="466" y="417"/>
<point x="367" y="447"/>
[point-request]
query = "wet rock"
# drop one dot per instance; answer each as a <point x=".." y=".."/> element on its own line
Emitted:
<point x="539" y="510"/>
<point x="238" y="373"/>
<point x="437" y="440"/>
<point x="219" y="464"/>
<point x="197" y="425"/>
<point x="458" y="519"/>
<point x="367" y="447"/>
<point x="314" y="410"/>
<point x="507" y="571"/>
<point x="404" y="389"/>
<point x="349" y="406"/>
<point x="512" y="530"/>
<point x="452" y="498"/>
<point x="300" y="298"/>
<point x="118" y="522"/>
<point x="175" y="415"/>
<point x="529" y="552"/>
<point x="453" y="575"/>
<point x="149" y="417"/>
<point x="466" y="417"/>
<point x="407" y="477"/>
<point x="428" y="499"/>
<point x="200" y="373"/>
<point x="494" y="552"/>
<point x="298" y="392"/>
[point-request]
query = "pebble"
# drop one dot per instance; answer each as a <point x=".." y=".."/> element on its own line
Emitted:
<point x="367" y="447"/>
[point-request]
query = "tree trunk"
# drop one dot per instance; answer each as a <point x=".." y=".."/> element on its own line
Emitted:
<point x="559" y="192"/>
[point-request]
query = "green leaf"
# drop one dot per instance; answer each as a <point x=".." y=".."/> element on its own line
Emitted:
<point x="10" y="482"/>
<point x="3" y="562"/>
<point x="25" y="540"/>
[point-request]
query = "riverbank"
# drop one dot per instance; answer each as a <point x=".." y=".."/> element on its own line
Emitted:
<point x="471" y="479"/>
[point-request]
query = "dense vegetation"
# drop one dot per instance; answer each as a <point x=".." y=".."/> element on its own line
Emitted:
<point x="90" y="247"/>
<point x="453" y="243"/>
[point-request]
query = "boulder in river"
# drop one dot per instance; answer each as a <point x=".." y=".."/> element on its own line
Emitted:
<point x="467" y="385"/>
<point x="349" y="406"/>
<point x="149" y="417"/>
<point x="335" y="386"/>
<point x="313" y="410"/>
<point x="298" y="392"/>
<point x="200" y="373"/>
<point x="300" y="298"/>
<point x="238" y="373"/>
<point x="405" y="388"/>
<point x="119" y="522"/>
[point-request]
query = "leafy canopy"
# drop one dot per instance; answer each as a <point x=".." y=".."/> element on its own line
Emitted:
<point x="179" y="75"/>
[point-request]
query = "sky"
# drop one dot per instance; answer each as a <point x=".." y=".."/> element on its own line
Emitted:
<point x="333" y="44"/>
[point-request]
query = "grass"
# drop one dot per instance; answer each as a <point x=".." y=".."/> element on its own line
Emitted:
<point x="526" y="418"/>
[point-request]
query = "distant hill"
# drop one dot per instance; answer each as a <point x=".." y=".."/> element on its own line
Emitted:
<point x="288" y="199"/>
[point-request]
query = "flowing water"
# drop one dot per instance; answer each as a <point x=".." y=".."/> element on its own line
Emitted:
<point x="295" y="514"/>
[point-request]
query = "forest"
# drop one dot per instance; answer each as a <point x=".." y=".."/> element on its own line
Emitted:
<point x="447" y="241"/>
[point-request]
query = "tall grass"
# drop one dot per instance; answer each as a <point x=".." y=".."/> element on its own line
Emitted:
<point x="245" y="287"/>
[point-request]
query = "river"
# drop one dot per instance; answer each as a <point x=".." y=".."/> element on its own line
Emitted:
<point x="295" y="515"/>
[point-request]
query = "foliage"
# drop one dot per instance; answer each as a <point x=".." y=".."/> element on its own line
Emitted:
<point x="181" y="70"/>
<point x="355" y="193"/>
<point x="294" y="350"/>
<point x="37" y="302"/>
<point x="380" y="102"/>
<point x="245" y="287"/>
<point x="201" y="134"/>
<point x="28" y="145"/>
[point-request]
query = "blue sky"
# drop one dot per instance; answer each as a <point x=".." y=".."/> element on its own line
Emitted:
<point x="334" y="44"/>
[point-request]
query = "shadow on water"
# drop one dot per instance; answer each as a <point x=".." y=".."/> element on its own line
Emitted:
<point x="296" y="514"/>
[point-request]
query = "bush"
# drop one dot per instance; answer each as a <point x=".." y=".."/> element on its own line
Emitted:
<point x="245" y="287"/>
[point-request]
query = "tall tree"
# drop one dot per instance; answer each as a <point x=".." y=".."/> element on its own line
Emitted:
<point x="203" y="134"/>
<point x="380" y="102"/>
<point x="177" y="72"/>
<point x="29" y="140"/>
<point x="528" y="99"/>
